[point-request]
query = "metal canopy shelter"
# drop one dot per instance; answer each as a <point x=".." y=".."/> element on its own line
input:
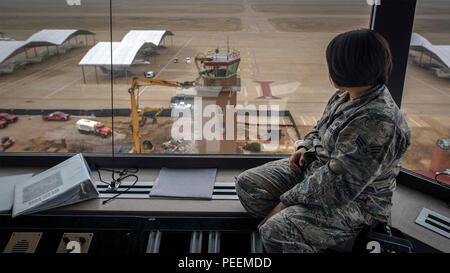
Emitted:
<point x="123" y="52"/>
<point x="439" y="52"/>
<point x="10" y="48"/>
<point x="45" y="37"/>
<point x="54" y="36"/>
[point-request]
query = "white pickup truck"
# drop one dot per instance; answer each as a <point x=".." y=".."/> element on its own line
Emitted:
<point x="86" y="126"/>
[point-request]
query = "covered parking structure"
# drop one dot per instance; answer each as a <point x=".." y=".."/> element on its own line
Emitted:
<point x="124" y="53"/>
<point x="45" y="37"/>
<point x="438" y="52"/>
<point x="58" y="36"/>
<point x="10" y="48"/>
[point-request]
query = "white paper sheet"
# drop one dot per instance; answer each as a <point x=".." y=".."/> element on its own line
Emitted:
<point x="185" y="183"/>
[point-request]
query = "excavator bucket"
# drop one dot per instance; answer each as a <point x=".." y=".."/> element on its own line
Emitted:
<point x="147" y="146"/>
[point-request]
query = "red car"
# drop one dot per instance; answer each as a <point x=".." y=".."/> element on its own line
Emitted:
<point x="8" y="117"/>
<point x="56" y="116"/>
<point x="3" y="124"/>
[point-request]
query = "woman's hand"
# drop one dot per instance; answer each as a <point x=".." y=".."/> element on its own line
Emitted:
<point x="275" y="210"/>
<point x="297" y="160"/>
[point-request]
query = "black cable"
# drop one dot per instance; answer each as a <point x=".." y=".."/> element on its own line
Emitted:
<point x="101" y="180"/>
<point x="123" y="174"/>
<point x="118" y="181"/>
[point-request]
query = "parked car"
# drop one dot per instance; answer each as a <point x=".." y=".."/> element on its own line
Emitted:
<point x="149" y="74"/>
<point x="86" y="126"/>
<point x="3" y="124"/>
<point x="182" y="101"/>
<point x="188" y="60"/>
<point x="175" y="60"/>
<point x="10" y="118"/>
<point x="56" y="116"/>
<point x="6" y="142"/>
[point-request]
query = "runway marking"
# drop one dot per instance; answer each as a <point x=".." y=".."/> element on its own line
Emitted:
<point x="170" y="60"/>
<point x="303" y="120"/>
<point x="411" y="119"/>
<point x="430" y="86"/>
<point x="244" y="89"/>
<point x="30" y="76"/>
<point x="418" y="119"/>
<point x="62" y="88"/>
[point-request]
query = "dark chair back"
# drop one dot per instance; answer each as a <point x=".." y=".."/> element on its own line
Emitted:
<point x="381" y="238"/>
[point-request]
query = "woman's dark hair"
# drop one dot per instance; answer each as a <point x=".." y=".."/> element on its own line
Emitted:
<point x="359" y="58"/>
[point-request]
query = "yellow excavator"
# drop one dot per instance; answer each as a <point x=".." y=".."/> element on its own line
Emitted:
<point x="137" y="117"/>
<point x="199" y="60"/>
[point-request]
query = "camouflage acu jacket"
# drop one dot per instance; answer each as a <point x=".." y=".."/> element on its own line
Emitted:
<point x="353" y="154"/>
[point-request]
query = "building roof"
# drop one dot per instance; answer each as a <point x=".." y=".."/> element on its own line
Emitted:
<point x="440" y="52"/>
<point x="417" y="41"/>
<point x="124" y="52"/>
<point x="100" y="54"/>
<point x="45" y="37"/>
<point x="54" y="36"/>
<point x="146" y="36"/>
<point x="10" y="48"/>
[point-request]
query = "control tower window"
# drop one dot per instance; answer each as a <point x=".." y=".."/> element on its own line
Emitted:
<point x="221" y="71"/>
<point x="232" y="69"/>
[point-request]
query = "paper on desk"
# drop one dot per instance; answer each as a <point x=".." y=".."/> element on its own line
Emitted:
<point x="7" y="190"/>
<point x="185" y="183"/>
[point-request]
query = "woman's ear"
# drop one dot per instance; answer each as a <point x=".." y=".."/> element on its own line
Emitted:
<point x="332" y="83"/>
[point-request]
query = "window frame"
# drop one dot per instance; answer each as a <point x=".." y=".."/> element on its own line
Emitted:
<point x="398" y="36"/>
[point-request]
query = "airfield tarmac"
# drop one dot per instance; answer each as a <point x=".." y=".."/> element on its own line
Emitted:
<point x="282" y="43"/>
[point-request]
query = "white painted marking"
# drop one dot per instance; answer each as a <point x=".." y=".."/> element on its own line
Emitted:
<point x="29" y="77"/>
<point x="171" y="59"/>
<point x="284" y="89"/>
<point x="245" y="92"/>
<point x="62" y="88"/>
<point x="430" y="86"/>
<point x="303" y="120"/>
<point x="411" y="119"/>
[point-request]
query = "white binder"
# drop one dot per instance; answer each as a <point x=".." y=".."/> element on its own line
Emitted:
<point x="67" y="183"/>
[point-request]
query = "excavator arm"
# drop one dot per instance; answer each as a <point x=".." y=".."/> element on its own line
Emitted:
<point x="200" y="60"/>
<point x="139" y="81"/>
<point x="137" y="117"/>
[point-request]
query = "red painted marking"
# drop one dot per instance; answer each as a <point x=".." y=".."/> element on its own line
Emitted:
<point x="222" y="63"/>
<point x="441" y="178"/>
<point x="267" y="93"/>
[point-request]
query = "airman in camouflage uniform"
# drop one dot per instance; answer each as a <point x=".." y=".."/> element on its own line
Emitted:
<point x="347" y="180"/>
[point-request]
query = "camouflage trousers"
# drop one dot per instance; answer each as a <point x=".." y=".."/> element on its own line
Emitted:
<point x="297" y="228"/>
